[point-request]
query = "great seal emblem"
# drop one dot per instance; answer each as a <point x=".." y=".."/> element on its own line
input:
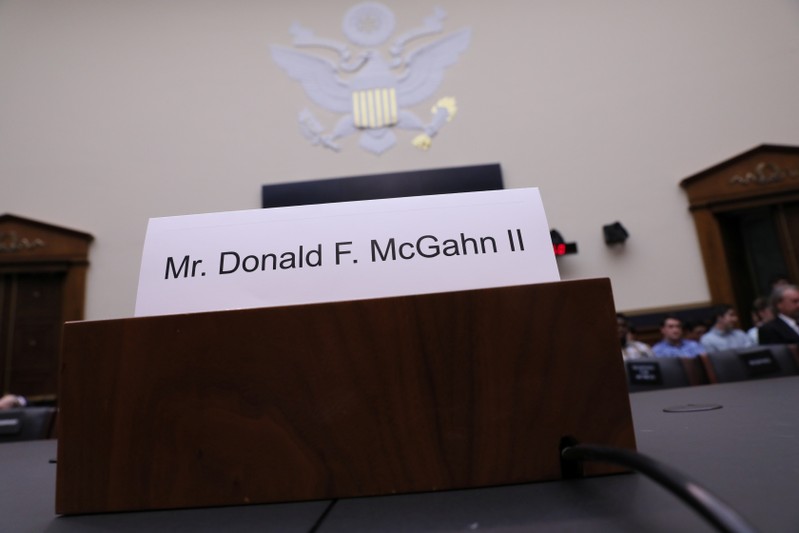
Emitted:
<point x="373" y="93"/>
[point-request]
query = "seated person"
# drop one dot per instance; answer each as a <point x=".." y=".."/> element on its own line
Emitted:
<point x="693" y="330"/>
<point x="673" y="344"/>
<point x="783" y="328"/>
<point x="724" y="335"/>
<point x="761" y="313"/>
<point x="9" y="401"/>
<point x="630" y="348"/>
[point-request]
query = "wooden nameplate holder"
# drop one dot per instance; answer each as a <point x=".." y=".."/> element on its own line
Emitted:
<point x="394" y="395"/>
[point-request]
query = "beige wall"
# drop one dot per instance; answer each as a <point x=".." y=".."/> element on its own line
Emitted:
<point x="112" y="112"/>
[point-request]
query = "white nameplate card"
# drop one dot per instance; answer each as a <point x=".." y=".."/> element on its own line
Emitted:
<point x="344" y="251"/>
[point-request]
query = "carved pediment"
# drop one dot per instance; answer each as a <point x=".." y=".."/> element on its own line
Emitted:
<point x="26" y="240"/>
<point x="765" y="173"/>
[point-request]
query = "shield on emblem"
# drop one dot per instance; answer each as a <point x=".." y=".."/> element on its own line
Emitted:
<point x="374" y="108"/>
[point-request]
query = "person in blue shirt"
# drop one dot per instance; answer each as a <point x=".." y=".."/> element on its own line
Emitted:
<point x="724" y="335"/>
<point x="673" y="343"/>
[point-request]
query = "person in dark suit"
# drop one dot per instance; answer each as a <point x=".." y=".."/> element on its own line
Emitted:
<point x="783" y="328"/>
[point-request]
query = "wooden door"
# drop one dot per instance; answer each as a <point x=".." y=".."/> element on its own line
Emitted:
<point x="789" y="230"/>
<point x="31" y="311"/>
<point x="42" y="285"/>
<point x="761" y="245"/>
<point x="746" y="211"/>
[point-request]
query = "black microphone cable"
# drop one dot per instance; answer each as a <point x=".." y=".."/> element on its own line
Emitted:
<point x="718" y="513"/>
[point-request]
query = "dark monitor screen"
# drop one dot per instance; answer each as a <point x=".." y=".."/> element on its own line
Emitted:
<point x="377" y="186"/>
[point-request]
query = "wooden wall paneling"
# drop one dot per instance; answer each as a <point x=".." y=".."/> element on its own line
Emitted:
<point x="714" y="256"/>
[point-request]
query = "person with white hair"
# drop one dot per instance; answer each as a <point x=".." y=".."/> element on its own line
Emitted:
<point x="783" y="328"/>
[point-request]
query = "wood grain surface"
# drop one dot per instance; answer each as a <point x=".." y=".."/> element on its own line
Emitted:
<point x="407" y="394"/>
